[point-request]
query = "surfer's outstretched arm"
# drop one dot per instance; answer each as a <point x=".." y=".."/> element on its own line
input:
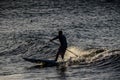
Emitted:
<point x="57" y="37"/>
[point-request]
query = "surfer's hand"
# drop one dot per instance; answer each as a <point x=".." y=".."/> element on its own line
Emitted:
<point x="51" y="40"/>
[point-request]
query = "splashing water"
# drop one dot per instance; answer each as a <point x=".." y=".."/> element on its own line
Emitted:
<point x="82" y="55"/>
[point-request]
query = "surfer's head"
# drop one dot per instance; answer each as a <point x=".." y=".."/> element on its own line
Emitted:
<point x="60" y="32"/>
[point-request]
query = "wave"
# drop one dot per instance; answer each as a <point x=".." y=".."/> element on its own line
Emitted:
<point x="34" y="45"/>
<point x="92" y="55"/>
<point x="83" y="55"/>
<point x="100" y="58"/>
<point x="110" y="61"/>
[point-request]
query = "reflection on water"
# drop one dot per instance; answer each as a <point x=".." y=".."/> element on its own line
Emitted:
<point x="74" y="72"/>
<point x="27" y="25"/>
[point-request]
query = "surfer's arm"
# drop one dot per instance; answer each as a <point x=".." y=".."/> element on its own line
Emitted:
<point x="54" y="38"/>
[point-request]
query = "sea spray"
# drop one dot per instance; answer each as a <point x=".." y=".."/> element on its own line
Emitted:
<point x="77" y="54"/>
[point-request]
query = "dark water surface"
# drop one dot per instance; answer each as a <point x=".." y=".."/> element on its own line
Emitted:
<point x="92" y="29"/>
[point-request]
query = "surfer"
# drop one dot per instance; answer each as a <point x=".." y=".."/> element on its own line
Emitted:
<point x="63" y="45"/>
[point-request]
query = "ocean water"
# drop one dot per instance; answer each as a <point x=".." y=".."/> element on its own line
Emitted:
<point x="92" y="28"/>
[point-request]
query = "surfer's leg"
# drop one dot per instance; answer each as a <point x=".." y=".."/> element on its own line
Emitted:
<point x="62" y="54"/>
<point x="63" y="51"/>
<point x="56" y="56"/>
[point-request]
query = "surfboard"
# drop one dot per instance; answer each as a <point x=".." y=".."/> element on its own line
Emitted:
<point x="43" y="62"/>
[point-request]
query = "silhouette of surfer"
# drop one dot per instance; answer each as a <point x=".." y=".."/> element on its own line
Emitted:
<point x="63" y="45"/>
